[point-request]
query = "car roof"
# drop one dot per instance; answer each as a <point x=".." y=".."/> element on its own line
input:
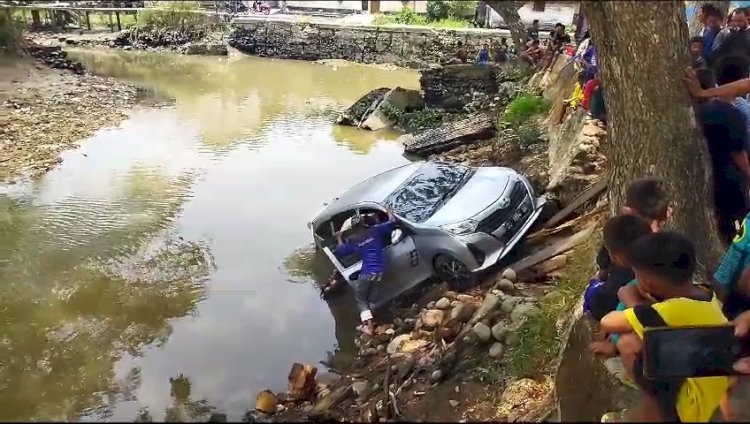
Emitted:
<point x="374" y="189"/>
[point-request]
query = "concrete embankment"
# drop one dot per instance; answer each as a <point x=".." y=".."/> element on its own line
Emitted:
<point x="411" y="46"/>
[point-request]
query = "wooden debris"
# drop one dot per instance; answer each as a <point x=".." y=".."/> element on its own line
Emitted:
<point x="555" y="249"/>
<point x="302" y="381"/>
<point x="331" y="400"/>
<point x="579" y="201"/>
<point x="449" y="135"/>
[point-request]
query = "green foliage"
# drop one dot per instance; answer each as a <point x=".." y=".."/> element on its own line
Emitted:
<point x="528" y="134"/>
<point x="522" y="108"/>
<point x="423" y="119"/>
<point x="10" y="34"/>
<point x="173" y="15"/>
<point x="437" y="19"/>
<point x="451" y="22"/>
<point x="441" y="9"/>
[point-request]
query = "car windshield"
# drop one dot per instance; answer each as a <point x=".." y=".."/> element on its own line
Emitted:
<point x="420" y="196"/>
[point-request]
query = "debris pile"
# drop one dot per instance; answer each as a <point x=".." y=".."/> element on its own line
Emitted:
<point x="55" y="57"/>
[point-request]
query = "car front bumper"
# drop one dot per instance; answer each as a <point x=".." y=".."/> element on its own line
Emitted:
<point x="492" y="245"/>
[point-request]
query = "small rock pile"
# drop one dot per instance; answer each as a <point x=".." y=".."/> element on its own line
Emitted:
<point x="55" y="57"/>
<point x="493" y="320"/>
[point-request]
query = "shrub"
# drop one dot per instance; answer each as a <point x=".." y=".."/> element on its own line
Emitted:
<point x="409" y="17"/>
<point x="173" y="15"/>
<point x="524" y="107"/>
<point x="10" y="34"/>
<point x="442" y="9"/>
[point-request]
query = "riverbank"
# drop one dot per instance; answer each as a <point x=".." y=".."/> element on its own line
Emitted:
<point x="47" y="111"/>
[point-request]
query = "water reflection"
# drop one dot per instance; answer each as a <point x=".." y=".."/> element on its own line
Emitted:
<point x="233" y="98"/>
<point x="155" y="250"/>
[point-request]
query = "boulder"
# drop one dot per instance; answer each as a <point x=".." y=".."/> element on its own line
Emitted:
<point x="396" y="343"/>
<point x="463" y="312"/>
<point x="443" y="303"/>
<point x="496" y="350"/>
<point x="499" y="331"/>
<point x="431" y="318"/>
<point x="302" y="381"/>
<point x="465" y="298"/>
<point x="482" y="331"/>
<point x="505" y="285"/>
<point x="451" y="295"/>
<point x="266" y="402"/>
<point x="361" y="389"/>
<point x="522" y="311"/>
<point x="395" y="102"/>
<point x="509" y="304"/>
<point x="509" y="274"/>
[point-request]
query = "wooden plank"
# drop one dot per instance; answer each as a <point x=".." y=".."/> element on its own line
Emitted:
<point x="579" y="201"/>
<point x="555" y="249"/>
<point x="449" y="135"/>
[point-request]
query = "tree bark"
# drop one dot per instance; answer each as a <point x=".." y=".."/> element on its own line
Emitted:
<point x="508" y="10"/>
<point x="694" y="25"/>
<point x="651" y="123"/>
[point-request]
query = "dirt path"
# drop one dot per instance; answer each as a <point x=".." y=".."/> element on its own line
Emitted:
<point x="45" y="111"/>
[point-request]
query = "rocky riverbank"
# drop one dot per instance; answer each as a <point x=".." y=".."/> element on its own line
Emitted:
<point x="49" y="105"/>
<point x="498" y="351"/>
<point x="191" y="42"/>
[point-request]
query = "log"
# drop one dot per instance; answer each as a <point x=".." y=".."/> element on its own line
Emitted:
<point x="579" y="201"/>
<point x="555" y="249"/>
<point x="449" y="135"/>
<point x="302" y="381"/>
<point x="331" y="400"/>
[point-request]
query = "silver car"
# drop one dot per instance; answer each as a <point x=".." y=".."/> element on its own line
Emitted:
<point x="452" y="222"/>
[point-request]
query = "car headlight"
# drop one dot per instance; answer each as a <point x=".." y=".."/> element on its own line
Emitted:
<point x="461" y="228"/>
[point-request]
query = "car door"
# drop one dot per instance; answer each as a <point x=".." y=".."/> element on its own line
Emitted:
<point x="404" y="266"/>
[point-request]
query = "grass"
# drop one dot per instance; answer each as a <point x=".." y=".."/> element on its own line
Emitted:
<point x="524" y="107"/>
<point x="539" y="339"/>
<point x="409" y="17"/>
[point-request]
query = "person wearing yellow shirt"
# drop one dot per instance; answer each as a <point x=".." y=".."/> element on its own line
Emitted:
<point x="664" y="264"/>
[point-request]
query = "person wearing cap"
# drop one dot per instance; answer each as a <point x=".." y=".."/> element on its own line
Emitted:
<point x="367" y="240"/>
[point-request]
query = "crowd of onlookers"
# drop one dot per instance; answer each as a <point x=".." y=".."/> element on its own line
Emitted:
<point x="646" y="275"/>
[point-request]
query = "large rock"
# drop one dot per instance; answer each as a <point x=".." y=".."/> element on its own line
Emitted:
<point x="392" y="105"/>
<point x="302" y="381"/>
<point x="482" y="331"/>
<point x="443" y="303"/>
<point x="523" y="311"/>
<point x="396" y="343"/>
<point x="431" y="318"/>
<point x="463" y="312"/>
<point x="496" y="350"/>
<point x="499" y="331"/>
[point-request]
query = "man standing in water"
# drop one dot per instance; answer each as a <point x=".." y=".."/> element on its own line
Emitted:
<point x="367" y="240"/>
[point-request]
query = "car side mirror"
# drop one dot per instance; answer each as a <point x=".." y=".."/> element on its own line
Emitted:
<point x="397" y="235"/>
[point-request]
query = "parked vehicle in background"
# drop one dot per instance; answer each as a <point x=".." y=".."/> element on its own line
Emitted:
<point x="453" y="222"/>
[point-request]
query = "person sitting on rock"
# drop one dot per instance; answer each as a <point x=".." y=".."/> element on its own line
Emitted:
<point x="367" y="241"/>
<point x="483" y="57"/>
<point x="588" y="91"/>
<point x="533" y="53"/>
<point x="620" y="232"/>
<point x="501" y="52"/>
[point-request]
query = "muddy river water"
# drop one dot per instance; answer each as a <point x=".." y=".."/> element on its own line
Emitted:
<point x="165" y="268"/>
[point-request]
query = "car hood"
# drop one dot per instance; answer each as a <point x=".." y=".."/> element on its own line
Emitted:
<point x="484" y="188"/>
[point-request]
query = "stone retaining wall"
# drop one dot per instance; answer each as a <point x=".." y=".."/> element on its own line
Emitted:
<point x="412" y="47"/>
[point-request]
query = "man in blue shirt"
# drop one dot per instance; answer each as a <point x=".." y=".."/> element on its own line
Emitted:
<point x="368" y="242"/>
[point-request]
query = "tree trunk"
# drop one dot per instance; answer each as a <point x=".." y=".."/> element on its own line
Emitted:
<point x="694" y="25"/>
<point x="508" y="10"/>
<point x="650" y="119"/>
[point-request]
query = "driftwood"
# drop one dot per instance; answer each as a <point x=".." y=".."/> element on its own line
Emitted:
<point x="579" y="201"/>
<point x="302" y="381"/>
<point x="330" y="401"/>
<point x="555" y="249"/>
<point x="449" y="135"/>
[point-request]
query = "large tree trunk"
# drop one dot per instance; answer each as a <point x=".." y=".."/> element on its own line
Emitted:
<point x="508" y="10"/>
<point x="650" y="118"/>
<point x="694" y="25"/>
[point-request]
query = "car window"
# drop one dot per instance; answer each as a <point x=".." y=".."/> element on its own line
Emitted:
<point x="420" y="196"/>
<point x="350" y="260"/>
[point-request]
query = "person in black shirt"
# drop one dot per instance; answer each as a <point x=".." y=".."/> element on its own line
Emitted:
<point x="724" y="128"/>
<point x="648" y="198"/>
<point x="532" y="33"/>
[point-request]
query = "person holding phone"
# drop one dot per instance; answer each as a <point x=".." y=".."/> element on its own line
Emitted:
<point x="664" y="265"/>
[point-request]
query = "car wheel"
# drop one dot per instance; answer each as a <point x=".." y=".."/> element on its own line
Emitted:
<point x="454" y="272"/>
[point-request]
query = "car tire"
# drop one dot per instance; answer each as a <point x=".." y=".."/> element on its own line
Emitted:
<point x="454" y="272"/>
